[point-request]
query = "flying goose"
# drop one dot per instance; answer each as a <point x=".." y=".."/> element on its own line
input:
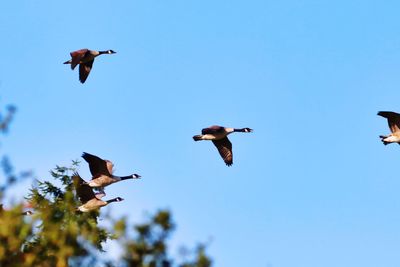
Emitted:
<point x="218" y="135"/>
<point x="102" y="170"/>
<point x="25" y="213"/>
<point x="85" y="59"/>
<point x="394" y="125"/>
<point x="90" y="200"/>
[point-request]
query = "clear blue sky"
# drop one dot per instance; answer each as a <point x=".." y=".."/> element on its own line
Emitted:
<point x="312" y="186"/>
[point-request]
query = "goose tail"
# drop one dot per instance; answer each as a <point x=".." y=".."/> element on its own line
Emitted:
<point x="383" y="137"/>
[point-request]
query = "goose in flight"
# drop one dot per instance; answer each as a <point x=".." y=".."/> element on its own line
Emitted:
<point x="90" y="200"/>
<point x="25" y="213"/>
<point x="219" y="136"/>
<point x="102" y="170"/>
<point x="394" y="125"/>
<point x="85" y="58"/>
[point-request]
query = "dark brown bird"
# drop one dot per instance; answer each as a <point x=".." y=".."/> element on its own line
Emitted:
<point x="102" y="170"/>
<point x="90" y="200"/>
<point x="394" y="125"/>
<point x="218" y="135"/>
<point x="85" y="58"/>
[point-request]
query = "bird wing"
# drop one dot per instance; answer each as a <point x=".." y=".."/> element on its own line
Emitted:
<point x="213" y="130"/>
<point x="83" y="190"/>
<point x="393" y="120"/>
<point x="100" y="194"/>
<point x="84" y="70"/>
<point x="224" y="147"/>
<point x="97" y="165"/>
<point x="77" y="56"/>
<point x="110" y="166"/>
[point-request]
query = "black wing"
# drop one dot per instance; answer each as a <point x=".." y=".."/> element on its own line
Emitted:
<point x="97" y="165"/>
<point x="393" y="120"/>
<point x="84" y="70"/>
<point x="83" y="191"/>
<point x="224" y="147"/>
<point x="213" y="130"/>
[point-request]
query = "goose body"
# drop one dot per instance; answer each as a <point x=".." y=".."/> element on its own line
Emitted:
<point x="90" y="200"/>
<point x="393" y="119"/>
<point x="85" y="58"/>
<point x="102" y="170"/>
<point x="96" y="203"/>
<point x="219" y="136"/>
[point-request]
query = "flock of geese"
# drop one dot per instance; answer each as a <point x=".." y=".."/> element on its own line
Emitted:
<point x="102" y="170"/>
<point x="102" y="176"/>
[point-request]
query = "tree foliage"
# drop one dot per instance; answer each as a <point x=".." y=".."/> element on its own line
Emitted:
<point x="59" y="235"/>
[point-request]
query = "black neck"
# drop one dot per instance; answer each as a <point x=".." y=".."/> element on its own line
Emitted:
<point x="126" y="177"/>
<point x="103" y="52"/>
<point x="239" y="130"/>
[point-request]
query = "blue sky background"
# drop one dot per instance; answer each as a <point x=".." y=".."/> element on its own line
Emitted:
<point x="312" y="186"/>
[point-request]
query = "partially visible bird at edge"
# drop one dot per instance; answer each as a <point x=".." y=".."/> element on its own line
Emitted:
<point x="393" y="119"/>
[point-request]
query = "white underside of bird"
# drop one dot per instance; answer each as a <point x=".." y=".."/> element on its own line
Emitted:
<point x="392" y="139"/>
<point x="103" y="181"/>
<point x="92" y="204"/>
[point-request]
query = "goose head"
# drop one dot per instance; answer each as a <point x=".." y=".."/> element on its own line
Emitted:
<point x="118" y="199"/>
<point x="136" y="176"/>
